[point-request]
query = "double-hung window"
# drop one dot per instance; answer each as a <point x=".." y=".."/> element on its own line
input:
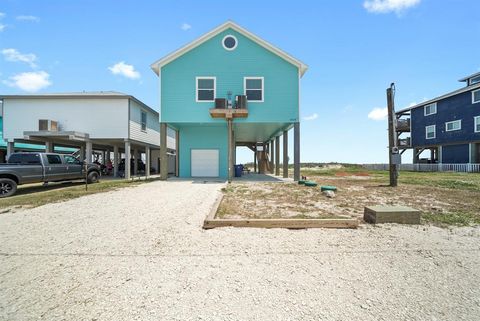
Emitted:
<point x="476" y="96"/>
<point x="430" y="109"/>
<point x="143" y="121"/>
<point x="476" y="124"/>
<point x="453" y="125"/>
<point x="205" y="91"/>
<point x="430" y="132"/>
<point x="253" y="89"/>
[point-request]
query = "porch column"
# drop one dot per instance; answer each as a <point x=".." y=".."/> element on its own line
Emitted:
<point x="277" y="156"/>
<point x="271" y="154"/>
<point x="49" y="147"/>
<point x="127" y="160"/>
<point x="439" y="152"/>
<point x="285" y="154"/>
<point x="115" y="161"/>
<point x="296" y="151"/>
<point x="255" y="158"/>
<point x="163" y="152"/>
<point x="82" y="153"/>
<point x="230" y="153"/>
<point x="177" y="153"/>
<point x="10" y="148"/>
<point x="147" y="161"/>
<point x="88" y="151"/>
<point x="135" y="161"/>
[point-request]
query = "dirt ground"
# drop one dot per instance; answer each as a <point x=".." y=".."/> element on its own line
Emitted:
<point x="356" y="189"/>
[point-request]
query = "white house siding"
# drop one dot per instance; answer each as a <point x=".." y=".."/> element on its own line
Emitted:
<point x="98" y="117"/>
<point x="152" y="133"/>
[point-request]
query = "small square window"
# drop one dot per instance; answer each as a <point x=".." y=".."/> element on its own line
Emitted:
<point x="430" y="109"/>
<point x="476" y="124"/>
<point x="254" y="88"/>
<point x="205" y="89"/>
<point x="430" y="132"/>
<point x="476" y="96"/>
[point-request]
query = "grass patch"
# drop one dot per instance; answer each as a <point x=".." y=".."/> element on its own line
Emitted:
<point x="451" y="218"/>
<point x="35" y="196"/>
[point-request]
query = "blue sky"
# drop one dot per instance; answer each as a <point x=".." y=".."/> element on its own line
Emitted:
<point x="354" y="49"/>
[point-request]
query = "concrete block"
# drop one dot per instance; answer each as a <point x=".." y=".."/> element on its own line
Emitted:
<point x="391" y="214"/>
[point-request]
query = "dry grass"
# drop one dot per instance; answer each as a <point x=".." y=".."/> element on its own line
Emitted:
<point x="444" y="198"/>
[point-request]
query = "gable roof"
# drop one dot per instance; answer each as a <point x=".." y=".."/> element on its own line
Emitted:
<point x="229" y="24"/>
<point x="471" y="76"/>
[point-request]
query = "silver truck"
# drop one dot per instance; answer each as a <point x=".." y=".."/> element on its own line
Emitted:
<point x="27" y="168"/>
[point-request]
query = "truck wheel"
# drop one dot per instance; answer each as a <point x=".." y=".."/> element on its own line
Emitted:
<point x="92" y="177"/>
<point x="8" y="187"/>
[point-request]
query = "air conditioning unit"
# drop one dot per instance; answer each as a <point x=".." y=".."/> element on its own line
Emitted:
<point x="48" y="125"/>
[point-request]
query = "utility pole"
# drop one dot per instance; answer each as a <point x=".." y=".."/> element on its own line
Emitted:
<point x="394" y="157"/>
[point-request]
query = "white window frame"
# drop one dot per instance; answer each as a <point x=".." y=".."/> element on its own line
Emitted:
<point x="473" y="97"/>
<point x="425" y="109"/>
<point x="214" y="89"/>
<point x="245" y="88"/>
<point x="434" y="131"/>
<point x="477" y="80"/>
<point x="141" y="122"/>
<point x="476" y="123"/>
<point x="453" y="122"/>
<point x="229" y="36"/>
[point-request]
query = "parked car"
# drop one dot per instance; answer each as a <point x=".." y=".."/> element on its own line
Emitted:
<point x="26" y="168"/>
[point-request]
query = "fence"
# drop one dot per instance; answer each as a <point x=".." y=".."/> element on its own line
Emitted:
<point x="464" y="168"/>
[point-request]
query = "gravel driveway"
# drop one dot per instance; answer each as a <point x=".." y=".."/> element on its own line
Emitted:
<point x="140" y="254"/>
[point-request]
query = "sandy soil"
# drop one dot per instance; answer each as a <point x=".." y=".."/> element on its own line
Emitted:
<point x="140" y="254"/>
<point x="290" y="200"/>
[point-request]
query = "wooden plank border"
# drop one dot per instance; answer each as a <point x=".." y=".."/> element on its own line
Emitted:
<point x="212" y="222"/>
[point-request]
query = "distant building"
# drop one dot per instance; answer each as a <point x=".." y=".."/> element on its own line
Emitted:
<point x="448" y="126"/>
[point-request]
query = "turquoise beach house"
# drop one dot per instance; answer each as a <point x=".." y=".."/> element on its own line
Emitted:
<point x="199" y="85"/>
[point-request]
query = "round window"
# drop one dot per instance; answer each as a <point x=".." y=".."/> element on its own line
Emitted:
<point x="229" y="42"/>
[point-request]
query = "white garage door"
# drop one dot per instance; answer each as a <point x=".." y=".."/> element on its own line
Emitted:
<point x="205" y="163"/>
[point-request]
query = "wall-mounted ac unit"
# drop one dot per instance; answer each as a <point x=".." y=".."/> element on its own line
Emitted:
<point x="47" y="124"/>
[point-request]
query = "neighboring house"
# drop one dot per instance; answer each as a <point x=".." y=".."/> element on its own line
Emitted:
<point x="229" y="61"/>
<point x="101" y="121"/>
<point x="448" y="126"/>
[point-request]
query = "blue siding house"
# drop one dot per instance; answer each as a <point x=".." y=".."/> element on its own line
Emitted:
<point x="203" y="87"/>
<point x="447" y="126"/>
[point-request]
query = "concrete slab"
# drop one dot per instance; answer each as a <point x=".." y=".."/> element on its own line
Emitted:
<point x="391" y="214"/>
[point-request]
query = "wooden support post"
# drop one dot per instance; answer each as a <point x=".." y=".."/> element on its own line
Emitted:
<point x="277" y="156"/>
<point x="88" y="151"/>
<point x="10" y="149"/>
<point x="296" y="151"/>
<point x="115" y="161"/>
<point x="177" y="152"/>
<point x="230" y="153"/>
<point x="391" y="136"/>
<point x="147" y="161"/>
<point x="285" y="154"/>
<point x="127" y="160"/>
<point x="163" y="152"/>
<point x="272" y="155"/>
<point x="49" y="147"/>
<point x="255" y="159"/>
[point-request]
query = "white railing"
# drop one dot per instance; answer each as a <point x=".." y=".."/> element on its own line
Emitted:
<point x="465" y="168"/>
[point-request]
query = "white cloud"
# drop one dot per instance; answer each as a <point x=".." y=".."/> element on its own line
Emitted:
<point x="2" y="15"/>
<point x="2" y="27"/>
<point x="28" y="18"/>
<point x="11" y="54"/>
<point x="378" y="113"/>
<point x="311" y="117"/>
<point x="123" y="69"/>
<point x="386" y="6"/>
<point x="185" y="26"/>
<point x="30" y="81"/>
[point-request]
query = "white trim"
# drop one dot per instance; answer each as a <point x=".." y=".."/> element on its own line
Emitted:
<point x="229" y="24"/>
<point x="245" y="88"/>
<point x="434" y="131"/>
<point x="473" y="97"/>
<point x="476" y="122"/>
<point x="453" y="122"/>
<point x="429" y="105"/>
<point x="214" y="89"/>
<point x="230" y="36"/>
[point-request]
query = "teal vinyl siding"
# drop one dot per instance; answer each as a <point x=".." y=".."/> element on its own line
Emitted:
<point x="203" y="137"/>
<point x="210" y="59"/>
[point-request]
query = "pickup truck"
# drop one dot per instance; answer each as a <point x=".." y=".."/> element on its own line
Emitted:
<point x="27" y="168"/>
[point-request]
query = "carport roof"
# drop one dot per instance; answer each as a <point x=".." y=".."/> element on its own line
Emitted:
<point x="80" y="94"/>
